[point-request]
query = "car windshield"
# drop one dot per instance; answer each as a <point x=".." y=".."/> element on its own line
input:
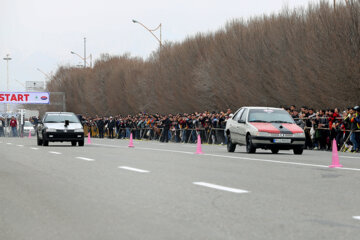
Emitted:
<point x="270" y="116"/>
<point x="28" y="124"/>
<point x="60" y="118"/>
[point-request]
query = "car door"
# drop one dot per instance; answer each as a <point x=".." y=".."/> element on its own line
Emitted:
<point x="242" y="127"/>
<point x="234" y="127"/>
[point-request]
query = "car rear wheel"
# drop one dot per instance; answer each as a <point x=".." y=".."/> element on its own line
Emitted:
<point x="73" y="143"/>
<point x="230" y="146"/>
<point x="298" y="150"/>
<point x="81" y="143"/>
<point x="274" y="150"/>
<point x="249" y="145"/>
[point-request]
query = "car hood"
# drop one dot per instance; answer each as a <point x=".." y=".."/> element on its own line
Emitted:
<point x="71" y="126"/>
<point x="286" y="128"/>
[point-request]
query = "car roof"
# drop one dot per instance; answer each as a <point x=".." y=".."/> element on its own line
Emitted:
<point x="249" y="107"/>
<point x="59" y="113"/>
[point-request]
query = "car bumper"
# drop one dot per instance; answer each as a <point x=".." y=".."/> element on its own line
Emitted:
<point x="64" y="137"/>
<point x="269" y="142"/>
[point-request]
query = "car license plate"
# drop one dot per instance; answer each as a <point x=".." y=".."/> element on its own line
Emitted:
<point x="282" y="140"/>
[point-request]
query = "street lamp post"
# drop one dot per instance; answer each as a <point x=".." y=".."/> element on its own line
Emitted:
<point x="151" y="31"/>
<point x="84" y="59"/>
<point x="84" y="52"/>
<point x="46" y="76"/>
<point x="7" y="59"/>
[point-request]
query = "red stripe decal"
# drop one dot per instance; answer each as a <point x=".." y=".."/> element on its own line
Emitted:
<point x="265" y="127"/>
<point x="293" y="127"/>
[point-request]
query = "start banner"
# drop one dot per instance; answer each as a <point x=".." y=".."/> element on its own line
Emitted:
<point x="25" y="97"/>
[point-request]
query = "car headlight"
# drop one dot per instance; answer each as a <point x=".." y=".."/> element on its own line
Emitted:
<point x="299" y="134"/>
<point x="79" y="130"/>
<point x="263" y="134"/>
<point x="50" y="130"/>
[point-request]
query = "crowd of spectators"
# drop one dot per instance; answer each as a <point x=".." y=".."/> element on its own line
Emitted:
<point x="320" y="126"/>
<point x="174" y="127"/>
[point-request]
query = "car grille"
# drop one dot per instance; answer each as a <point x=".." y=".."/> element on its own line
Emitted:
<point x="63" y="131"/>
<point x="64" y="135"/>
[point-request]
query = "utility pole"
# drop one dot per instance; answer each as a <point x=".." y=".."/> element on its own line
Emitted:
<point x="84" y="52"/>
<point x="7" y="59"/>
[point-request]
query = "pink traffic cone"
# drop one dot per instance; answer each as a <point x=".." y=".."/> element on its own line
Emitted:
<point x="131" y="144"/>
<point x="198" y="148"/>
<point x="29" y="133"/>
<point x="335" y="156"/>
<point x="89" y="139"/>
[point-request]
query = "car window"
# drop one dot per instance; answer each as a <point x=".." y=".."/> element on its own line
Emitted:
<point x="243" y="116"/>
<point x="28" y="124"/>
<point x="270" y="115"/>
<point x="238" y="114"/>
<point x="60" y="118"/>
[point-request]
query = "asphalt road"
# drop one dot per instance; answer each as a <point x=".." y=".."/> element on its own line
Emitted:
<point x="164" y="191"/>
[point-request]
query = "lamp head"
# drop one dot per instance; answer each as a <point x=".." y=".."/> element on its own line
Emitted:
<point x="134" y="21"/>
<point x="72" y="52"/>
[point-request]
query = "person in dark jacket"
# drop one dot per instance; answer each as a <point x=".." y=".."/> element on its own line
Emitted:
<point x="166" y="123"/>
<point x="111" y="126"/>
<point x="2" y="127"/>
<point x="100" y="125"/>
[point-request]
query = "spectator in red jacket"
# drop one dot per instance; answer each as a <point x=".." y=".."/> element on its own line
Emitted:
<point x="13" y="125"/>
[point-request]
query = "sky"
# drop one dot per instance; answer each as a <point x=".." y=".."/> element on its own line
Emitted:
<point x="40" y="34"/>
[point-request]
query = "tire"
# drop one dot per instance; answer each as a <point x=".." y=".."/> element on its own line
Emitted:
<point x="249" y="145"/>
<point x="45" y="143"/>
<point x="39" y="141"/>
<point x="275" y="150"/>
<point x="230" y="146"/>
<point x="298" y="150"/>
<point x="73" y="143"/>
<point x="81" y="143"/>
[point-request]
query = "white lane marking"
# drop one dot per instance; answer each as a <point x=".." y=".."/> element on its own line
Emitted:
<point x="86" y="159"/>
<point x="8" y="143"/>
<point x="106" y="145"/>
<point x="34" y="148"/>
<point x="210" y="185"/>
<point x="235" y="157"/>
<point x="356" y="217"/>
<point x="134" y="169"/>
<point x="20" y="145"/>
<point x="280" y="162"/>
<point x="55" y="153"/>
<point x="347" y="157"/>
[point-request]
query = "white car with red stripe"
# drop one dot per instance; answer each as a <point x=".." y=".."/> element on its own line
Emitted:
<point x="266" y="128"/>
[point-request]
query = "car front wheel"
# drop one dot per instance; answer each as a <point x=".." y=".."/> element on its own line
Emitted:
<point x="39" y="141"/>
<point x="81" y="143"/>
<point x="249" y="145"/>
<point x="298" y="150"/>
<point x="274" y="150"/>
<point x="230" y="146"/>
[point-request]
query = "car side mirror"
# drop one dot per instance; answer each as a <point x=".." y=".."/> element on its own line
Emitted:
<point x="241" y="121"/>
<point x="67" y="123"/>
<point x="40" y="122"/>
<point x="231" y="115"/>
